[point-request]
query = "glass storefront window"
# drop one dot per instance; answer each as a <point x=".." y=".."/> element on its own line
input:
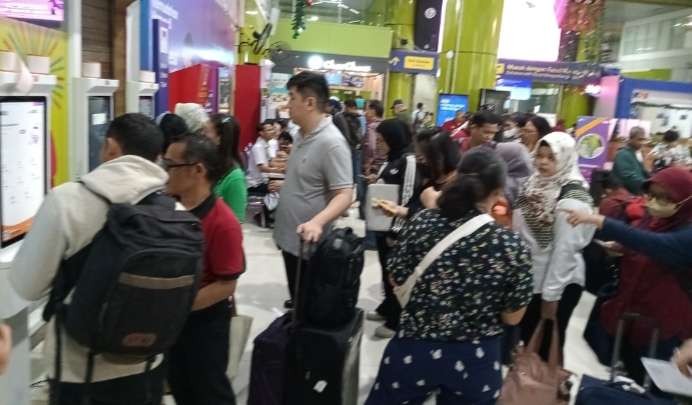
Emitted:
<point x="654" y="36"/>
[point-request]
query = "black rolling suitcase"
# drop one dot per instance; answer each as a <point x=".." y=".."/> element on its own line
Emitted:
<point x="295" y="363"/>
<point x="593" y="391"/>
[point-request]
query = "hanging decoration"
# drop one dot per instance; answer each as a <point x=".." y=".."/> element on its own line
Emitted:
<point x="581" y="15"/>
<point x="299" y="17"/>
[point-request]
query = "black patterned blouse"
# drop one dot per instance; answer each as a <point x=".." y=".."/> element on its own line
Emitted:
<point x="462" y="294"/>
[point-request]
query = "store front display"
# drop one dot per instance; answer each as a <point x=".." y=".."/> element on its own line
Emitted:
<point x="348" y="76"/>
<point x="666" y="105"/>
<point x="542" y="87"/>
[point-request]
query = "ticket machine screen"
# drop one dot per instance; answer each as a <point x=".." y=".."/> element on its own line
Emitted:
<point x="146" y="106"/>
<point x="22" y="164"/>
<point x="99" y="119"/>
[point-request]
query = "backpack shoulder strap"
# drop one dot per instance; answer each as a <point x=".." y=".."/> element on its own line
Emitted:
<point x="158" y="198"/>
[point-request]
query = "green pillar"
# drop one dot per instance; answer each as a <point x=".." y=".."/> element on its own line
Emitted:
<point x="574" y="104"/>
<point x="400" y="17"/>
<point x="253" y="22"/>
<point x="245" y="53"/>
<point x="471" y="37"/>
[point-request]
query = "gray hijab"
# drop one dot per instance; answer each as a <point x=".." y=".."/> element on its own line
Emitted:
<point x="519" y="167"/>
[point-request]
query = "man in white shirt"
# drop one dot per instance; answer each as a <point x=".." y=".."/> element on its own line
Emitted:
<point x="261" y="154"/>
<point x="418" y="115"/>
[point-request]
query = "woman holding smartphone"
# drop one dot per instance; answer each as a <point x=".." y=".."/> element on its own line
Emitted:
<point x="394" y="137"/>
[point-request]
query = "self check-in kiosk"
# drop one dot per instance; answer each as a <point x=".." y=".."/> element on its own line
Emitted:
<point x="93" y="112"/>
<point x="25" y="99"/>
<point x="141" y="94"/>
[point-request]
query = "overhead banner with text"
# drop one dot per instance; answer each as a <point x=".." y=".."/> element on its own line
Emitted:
<point x="573" y="73"/>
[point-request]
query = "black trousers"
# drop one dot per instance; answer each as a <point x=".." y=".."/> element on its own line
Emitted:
<point x="260" y="190"/>
<point x="291" y="266"/>
<point x="140" y="389"/>
<point x="569" y="301"/>
<point x="390" y="308"/>
<point x="197" y="363"/>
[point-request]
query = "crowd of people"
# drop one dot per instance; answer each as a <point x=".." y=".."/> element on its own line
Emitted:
<point x="512" y="183"/>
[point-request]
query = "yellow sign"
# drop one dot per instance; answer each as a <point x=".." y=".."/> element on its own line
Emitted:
<point x="500" y="68"/>
<point x="419" y="62"/>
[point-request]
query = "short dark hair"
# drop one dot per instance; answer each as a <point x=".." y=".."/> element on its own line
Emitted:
<point x="200" y="149"/>
<point x="284" y="136"/>
<point x="479" y="174"/>
<point x="376" y="105"/>
<point x="260" y="126"/>
<point x="440" y="151"/>
<point x="351" y="103"/>
<point x="172" y="126"/>
<point x="229" y="141"/>
<point x="612" y="181"/>
<point x="542" y="125"/>
<point x="137" y="134"/>
<point x="671" y="135"/>
<point x="283" y="122"/>
<point x="485" y="117"/>
<point x="311" y="84"/>
<point x="419" y="105"/>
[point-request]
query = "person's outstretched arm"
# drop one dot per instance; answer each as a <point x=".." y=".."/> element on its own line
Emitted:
<point x="672" y="248"/>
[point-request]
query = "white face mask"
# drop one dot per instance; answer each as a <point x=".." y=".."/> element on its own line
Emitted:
<point x="511" y="133"/>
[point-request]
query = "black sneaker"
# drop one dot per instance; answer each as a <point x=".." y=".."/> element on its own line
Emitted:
<point x="288" y="304"/>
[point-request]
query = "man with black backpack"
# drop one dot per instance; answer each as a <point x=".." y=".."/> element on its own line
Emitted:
<point x="120" y="263"/>
<point x="198" y="361"/>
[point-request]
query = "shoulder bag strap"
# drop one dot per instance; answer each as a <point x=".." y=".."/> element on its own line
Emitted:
<point x="407" y="189"/>
<point x="468" y="228"/>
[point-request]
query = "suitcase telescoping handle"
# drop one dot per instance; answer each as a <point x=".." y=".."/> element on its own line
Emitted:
<point x="617" y="348"/>
<point x="298" y="294"/>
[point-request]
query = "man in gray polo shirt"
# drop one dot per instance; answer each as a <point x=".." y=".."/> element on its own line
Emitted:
<point x="319" y="176"/>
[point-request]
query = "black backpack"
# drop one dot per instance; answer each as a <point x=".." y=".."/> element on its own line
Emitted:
<point x="333" y="279"/>
<point x="134" y="284"/>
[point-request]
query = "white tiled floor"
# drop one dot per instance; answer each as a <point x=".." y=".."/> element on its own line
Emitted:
<point x="262" y="291"/>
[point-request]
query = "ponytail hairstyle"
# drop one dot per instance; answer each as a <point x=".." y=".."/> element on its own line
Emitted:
<point x="480" y="173"/>
<point x="229" y="140"/>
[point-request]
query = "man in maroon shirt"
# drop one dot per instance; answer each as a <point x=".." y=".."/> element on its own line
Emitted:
<point x="482" y="129"/>
<point x="198" y="361"/>
<point x="453" y="126"/>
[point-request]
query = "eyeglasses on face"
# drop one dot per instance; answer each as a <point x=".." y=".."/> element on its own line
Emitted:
<point x="168" y="164"/>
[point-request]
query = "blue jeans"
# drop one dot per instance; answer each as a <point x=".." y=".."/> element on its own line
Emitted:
<point x="459" y="372"/>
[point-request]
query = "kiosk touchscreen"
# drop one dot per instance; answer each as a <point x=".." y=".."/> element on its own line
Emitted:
<point x="22" y="164"/>
<point x="93" y="112"/>
<point x="146" y="106"/>
<point x="141" y="92"/>
<point x="99" y="117"/>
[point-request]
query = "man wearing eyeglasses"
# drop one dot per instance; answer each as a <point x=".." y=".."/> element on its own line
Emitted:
<point x="198" y="361"/>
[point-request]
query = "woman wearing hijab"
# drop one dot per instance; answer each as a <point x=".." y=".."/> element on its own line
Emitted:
<point x="394" y="137"/>
<point x="519" y="168"/>
<point x="558" y="265"/>
<point x="655" y="271"/>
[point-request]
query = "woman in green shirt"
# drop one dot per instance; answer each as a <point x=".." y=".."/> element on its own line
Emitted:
<point x="231" y="187"/>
